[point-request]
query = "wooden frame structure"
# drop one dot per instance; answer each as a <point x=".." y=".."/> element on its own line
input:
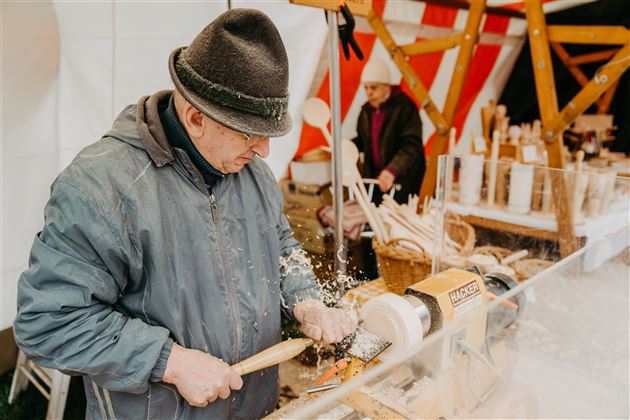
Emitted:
<point x="540" y="36"/>
<point x="555" y="121"/>
<point x="573" y="63"/>
<point x="466" y="40"/>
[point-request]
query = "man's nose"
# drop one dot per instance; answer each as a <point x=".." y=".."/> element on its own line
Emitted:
<point x="261" y="148"/>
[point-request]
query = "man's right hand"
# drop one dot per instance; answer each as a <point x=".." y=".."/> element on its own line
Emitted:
<point x="199" y="377"/>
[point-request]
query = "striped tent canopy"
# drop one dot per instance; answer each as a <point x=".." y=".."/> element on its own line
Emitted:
<point x="501" y="39"/>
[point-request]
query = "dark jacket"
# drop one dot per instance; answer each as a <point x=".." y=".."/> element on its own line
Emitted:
<point x="400" y="145"/>
<point x="134" y="255"/>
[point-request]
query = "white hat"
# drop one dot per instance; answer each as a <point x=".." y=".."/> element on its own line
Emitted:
<point x="376" y="71"/>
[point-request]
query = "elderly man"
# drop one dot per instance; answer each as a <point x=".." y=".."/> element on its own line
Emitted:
<point x="389" y="133"/>
<point x="165" y="256"/>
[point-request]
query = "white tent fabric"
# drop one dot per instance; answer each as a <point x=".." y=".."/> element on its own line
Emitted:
<point x="68" y="68"/>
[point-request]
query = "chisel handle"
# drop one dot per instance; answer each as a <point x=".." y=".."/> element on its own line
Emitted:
<point x="273" y="355"/>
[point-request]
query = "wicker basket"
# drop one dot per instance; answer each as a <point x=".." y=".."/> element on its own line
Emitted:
<point x="461" y="232"/>
<point x="402" y="267"/>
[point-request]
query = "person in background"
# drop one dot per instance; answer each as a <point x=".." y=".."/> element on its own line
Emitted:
<point x="165" y="256"/>
<point x="389" y="133"/>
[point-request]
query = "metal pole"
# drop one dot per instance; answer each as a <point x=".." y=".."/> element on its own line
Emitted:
<point x="333" y="59"/>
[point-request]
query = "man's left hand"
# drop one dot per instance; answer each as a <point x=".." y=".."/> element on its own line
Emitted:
<point x="321" y="323"/>
<point x="385" y="180"/>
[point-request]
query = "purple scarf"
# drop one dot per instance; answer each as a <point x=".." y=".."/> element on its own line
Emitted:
<point x="378" y="119"/>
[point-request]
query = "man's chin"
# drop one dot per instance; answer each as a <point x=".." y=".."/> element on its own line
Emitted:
<point x="235" y="168"/>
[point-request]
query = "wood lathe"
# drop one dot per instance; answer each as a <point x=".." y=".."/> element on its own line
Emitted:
<point x="451" y="375"/>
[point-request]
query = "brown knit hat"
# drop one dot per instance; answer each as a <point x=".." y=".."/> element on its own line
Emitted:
<point x="236" y="72"/>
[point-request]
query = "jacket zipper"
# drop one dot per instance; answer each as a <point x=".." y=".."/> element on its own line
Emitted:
<point x="232" y="302"/>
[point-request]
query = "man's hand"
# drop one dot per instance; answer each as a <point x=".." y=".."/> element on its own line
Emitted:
<point x="385" y="180"/>
<point x="199" y="377"/>
<point x="320" y="323"/>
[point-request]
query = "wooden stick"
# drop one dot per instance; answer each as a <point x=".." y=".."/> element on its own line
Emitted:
<point x="514" y="257"/>
<point x="424" y="233"/>
<point x="492" y="178"/>
<point x="546" y="202"/>
<point x="379" y="222"/>
<point x="579" y="158"/>
<point x="368" y="212"/>
<point x="451" y="165"/>
<point x="415" y="220"/>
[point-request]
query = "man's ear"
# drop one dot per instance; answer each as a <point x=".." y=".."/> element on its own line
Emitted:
<point x="193" y="121"/>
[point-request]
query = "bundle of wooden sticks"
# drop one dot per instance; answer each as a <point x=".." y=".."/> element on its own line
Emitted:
<point x="392" y="220"/>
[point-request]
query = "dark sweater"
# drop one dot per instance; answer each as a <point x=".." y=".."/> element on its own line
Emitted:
<point x="177" y="137"/>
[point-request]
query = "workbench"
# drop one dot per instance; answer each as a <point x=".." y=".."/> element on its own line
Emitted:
<point x="567" y="356"/>
<point x="609" y="234"/>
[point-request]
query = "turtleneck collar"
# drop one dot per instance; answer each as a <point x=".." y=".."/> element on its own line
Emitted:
<point x="177" y="136"/>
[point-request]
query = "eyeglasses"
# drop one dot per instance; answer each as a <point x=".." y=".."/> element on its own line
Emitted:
<point x="252" y="140"/>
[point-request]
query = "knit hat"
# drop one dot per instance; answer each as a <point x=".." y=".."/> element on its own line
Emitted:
<point x="376" y="71"/>
<point x="236" y="71"/>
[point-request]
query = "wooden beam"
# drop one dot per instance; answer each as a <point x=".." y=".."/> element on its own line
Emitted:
<point x="566" y="58"/>
<point x="564" y="216"/>
<point x="593" y="57"/>
<point x="603" y="103"/>
<point x="603" y="80"/>
<point x="357" y="7"/>
<point x="409" y="74"/>
<point x="511" y="228"/>
<point x="541" y="62"/>
<point x="469" y="39"/>
<point x="465" y="5"/>
<point x="432" y="45"/>
<point x="601" y="35"/>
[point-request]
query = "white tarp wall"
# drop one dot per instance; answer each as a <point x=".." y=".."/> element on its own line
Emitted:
<point x="68" y="68"/>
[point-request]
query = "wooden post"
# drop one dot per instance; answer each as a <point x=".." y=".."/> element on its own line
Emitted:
<point x="469" y="39"/>
<point x="548" y="106"/>
<point x="409" y="74"/>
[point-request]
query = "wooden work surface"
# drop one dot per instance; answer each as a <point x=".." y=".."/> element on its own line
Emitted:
<point x="539" y="226"/>
<point x="295" y="380"/>
<point x="512" y="228"/>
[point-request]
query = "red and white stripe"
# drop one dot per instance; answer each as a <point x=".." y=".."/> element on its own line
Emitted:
<point x="493" y="58"/>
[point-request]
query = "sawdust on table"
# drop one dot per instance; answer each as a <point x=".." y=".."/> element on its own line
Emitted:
<point x="299" y="378"/>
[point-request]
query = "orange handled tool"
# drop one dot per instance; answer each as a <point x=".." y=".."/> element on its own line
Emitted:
<point x="509" y="304"/>
<point x="337" y="367"/>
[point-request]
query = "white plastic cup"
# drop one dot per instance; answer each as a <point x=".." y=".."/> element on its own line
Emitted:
<point x="470" y="179"/>
<point x="521" y="184"/>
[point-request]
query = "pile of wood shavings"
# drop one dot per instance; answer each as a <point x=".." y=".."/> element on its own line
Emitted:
<point x="365" y="345"/>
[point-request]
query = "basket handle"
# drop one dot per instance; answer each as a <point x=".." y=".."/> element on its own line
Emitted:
<point x="394" y="241"/>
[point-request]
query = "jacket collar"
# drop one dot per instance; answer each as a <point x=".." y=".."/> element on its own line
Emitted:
<point x="178" y="138"/>
<point x="150" y="127"/>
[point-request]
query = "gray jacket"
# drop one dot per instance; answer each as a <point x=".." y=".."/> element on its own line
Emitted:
<point x="135" y="253"/>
